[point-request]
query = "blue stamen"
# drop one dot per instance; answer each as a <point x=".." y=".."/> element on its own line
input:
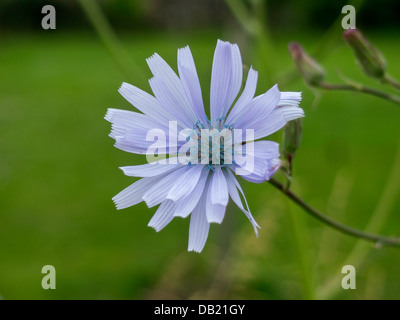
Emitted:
<point x="198" y="124"/>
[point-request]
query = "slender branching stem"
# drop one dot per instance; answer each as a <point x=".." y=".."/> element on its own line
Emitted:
<point x="379" y="240"/>
<point x="360" y="88"/>
<point x="392" y="81"/>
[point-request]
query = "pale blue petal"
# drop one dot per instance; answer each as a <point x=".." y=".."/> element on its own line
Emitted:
<point x="236" y="78"/>
<point x="163" y="215"/>
<point x="132" y="140"/>
<point x="185" y="183"/>
<point x="190" y="82"/>
<point x="219" y="187"/>
<point x="245" y="98"/>
<point x="291" y="113"/>
<point x="191" y="85"/>
<point x="266" y="149"/>
<point x="269" y="112"/>
<point x="257" y="111"/>
<point x="144" y="102"/>
<point x="185" y="59"/>
<point x="265" y="159"/>
<point x="133" y="194"/>
<point x="286" y="110"/>
<point x="130" y="129"/>
<point x="124" y="119"/>
<point x="263" y="170"/>
<point x="158" y="192"/>
<point x="217" y="197"/>
<point x="220" y="79"/>
<point x="289" y="99"/>
<point x="261" y="149"/>
<point x="183" y="113"/>
<point x="276" y="120"/>
<point x="273" y="166"/>
<point x="184" y="206"/>
<point x="199" y="227"/>
<point x="149" y="169"/>
<point x="233" y="187"/>
<point x="215" y="212"/>
<point x="163" y="71"/>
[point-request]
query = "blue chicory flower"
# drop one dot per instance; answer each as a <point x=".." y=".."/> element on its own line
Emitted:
<point x="200" y="188"/>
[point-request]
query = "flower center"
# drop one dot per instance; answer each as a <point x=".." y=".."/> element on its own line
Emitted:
<point x="213" y="146"/>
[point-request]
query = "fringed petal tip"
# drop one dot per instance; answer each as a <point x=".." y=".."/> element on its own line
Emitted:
<point x="123" y="87"/>
<point x="290" y="99"/>
<point x="110" y="114"/>
<point x="153" y="58"/>
<point x="117" y="203"/>
<point x="197" y="250"/>
<point x="292" y="113"/>
<point x="163" y="216"/>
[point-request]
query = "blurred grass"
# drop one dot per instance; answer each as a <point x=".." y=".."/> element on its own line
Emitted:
<point x="59" y="171"/>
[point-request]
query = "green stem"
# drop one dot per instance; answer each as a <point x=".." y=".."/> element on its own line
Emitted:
<point x="360" y="88"/>
<point x="107" y="35"/>
<point x="381" y="240"/>
<point x="392" y="81"/>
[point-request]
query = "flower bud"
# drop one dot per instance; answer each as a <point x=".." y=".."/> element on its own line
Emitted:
<point x="370" y="60"/>
<point x="291" y="138"/>
<point x="309" y="69"/>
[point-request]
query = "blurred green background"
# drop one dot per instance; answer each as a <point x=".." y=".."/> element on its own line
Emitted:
<point x="59" y="169"/>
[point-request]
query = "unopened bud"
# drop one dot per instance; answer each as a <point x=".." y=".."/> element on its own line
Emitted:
<point x="309" y="69"/>
<point x="291" y="138"/>
<point x="370" y="60"/>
